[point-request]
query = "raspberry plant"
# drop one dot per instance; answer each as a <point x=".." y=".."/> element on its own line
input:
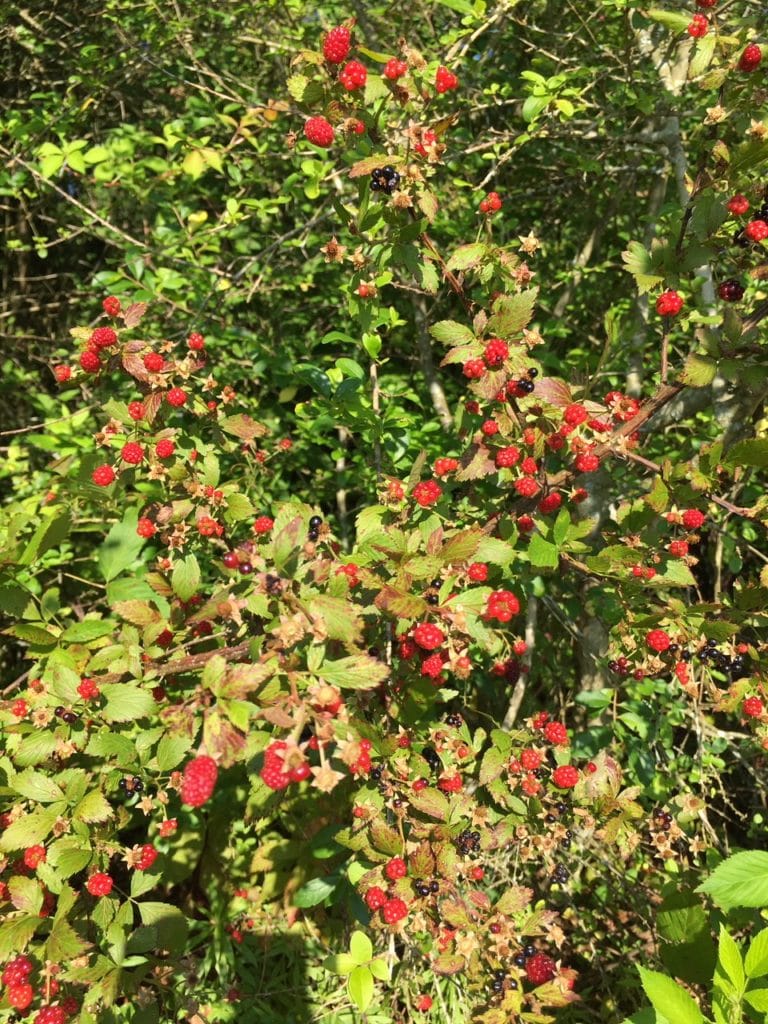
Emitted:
<point x="247" y="658"/>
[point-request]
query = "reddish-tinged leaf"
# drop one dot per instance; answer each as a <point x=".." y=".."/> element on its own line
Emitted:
<point x="476" y="463"/>
<point x="432" y="803"/>
<point x="479" y="899"/>
<point x="553" y="391"/>
<point x="449" y="963"/>
<point x="421" y="863"/>
<point x="134" y="313"/>
<point x="370" y="163"/>
<point x="386" y="839"/>
<point x="243" y="426"/>
<point x="404" y="606"/>
<point x="454" y="913"/>
<point x="513" y="900"/>
<point x="134" y="364"/>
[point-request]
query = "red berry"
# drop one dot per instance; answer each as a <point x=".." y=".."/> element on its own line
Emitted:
<point x="539" y="969"/>
<point x="658" y="640"/>
<point x="478" y="572"/>
<point x="353" y="75"/>
<point x="34" y="855"/>
<point x="319" y="132"/>
<point x="428" y="636"/>
<point x="556" y="733"/>
<point x="62" y="373"/>
<point x="450" y="783"/>
<point x="273" y="774"/>
<point x="693" y="519"/>
<point x="263" y="524"/>
<point x="394" y="910"/>
<point x="731" y="290"/>
<point x="473" y="368"/>
<point x="199" y="781"/>
<point x="738" y="204"/>
<point x="51" y="1015"/>
<point x="111" y="305"/>
<point x="99" y="884"/>
<point x="375" y="898"/>
<point x="19" y="708"/>
<point x="443" y="467"/>
<point x="477" y="874"/>
<point x="148" y="857"/>
<point x="750" y="58"/>
<point x="586" y="462"/>
<point x="756" y="230"/>
<point x="531" y="759"/>
<point x="132" y="453"/>
<point x="88" y="689"/>
<point x="669" y="303"/>
<point x="507" y="457"/>
<point x="103" y="476"/>
<point x="136" y="410"/>
<point x="678" y="548"/>
<point x="427" y="492"/>
<point x="336" y="45"/>
<point x="566" y="776"/>
<point x="445" y="80"/>
<point x="706" y="3"/>
<point x="153" y="362"/>
<point x="501" y="605"/>
<point x="89" y="361"/>
<point x="17" y="970"/>
<point x="20" y="995"/>
<point x="196" y="342"/>
<point x="698" y="26"/>
<point x="753" y="707"/>
<point x="424" y="1003"/>
<point x="176" y="397"/>
<point x="165" y="448"/>
<point x="395" y="69"/>
<point x="395" y="869"/>
<point x="550" y="503"/>
<point x="102" y="337"/>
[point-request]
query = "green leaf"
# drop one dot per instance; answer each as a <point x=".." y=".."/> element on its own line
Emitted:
<point x="756" y="962"/>
<point x="431" y="802"/>
<point x="168" y="922"/>
<point x="358" y="672"/>
<point x="340" y="963"/>
<point x="386" y="839"/>
<point x="379" y="969"/>
<point x="49" y="534"/>
<point x="64" y="943"/>
<point x="315" y="891"/>
<point x="758" y="998"/>
<point x="93" y="807"/>
<point x="87" y="630"/>
<point x="542" y="554"/>
<point x="729" y="958"/>
<point x="126" y="702"/>
<point x="171" y="750"/>
<point x="449" y="332"/>
<point x="185" y="578"/>
<point x="740" y="881"/>
<point x="35" y="748"/>
<point x="511" y="313"/>
<point x="29" y="829"/>
<point x="753" y="452"/>
<point x="26" y="894"/>
<point x="699" y="371"/>
<point x="639" y="263"/>
<point x="15" y="933"/>
<point x="36" y="786"/>
<point x="121" y="546"/>
<point x="239" y="507"/>
<point x="677" y="22"/>
<point x="361" y="988"/>
<point x="669" y="999"/>
<point x="69" y="855"/>
<point x="467" y="256"/>
<point x="360" y="947"/>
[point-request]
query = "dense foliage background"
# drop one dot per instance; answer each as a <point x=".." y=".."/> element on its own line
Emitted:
<point x="156" y="153"/>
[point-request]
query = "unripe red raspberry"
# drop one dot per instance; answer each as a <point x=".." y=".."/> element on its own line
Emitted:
<point x="319" y="132"/>
<point x="756" y="230"/>
<point x="693" y="519"/>
<point x="89" y="361"/>
<point x="529" y="466"/>
<point x="19" y="708"/>
<point x="731" y="291"/>
<point x="394" y="910"/>
<point x="669" y="303"/>
<point x="753" y="707"/>
<point x="196" y="342"/>
<point x="136" y="410"/>
<point x="427" y="493"/>
<point x="395" y="69"/>
<point x="539" y="969"/>
<point x="428" y="636"/>
<point x="263" y="525"/>
<point x="525" y="524"/>
<point x="153" y="362"/>
<point x="698" y="26"/>
<point x="17" y="970"/>
<point x="489" y="428"/>
<point x="148" y="857"/>
<point x="51" y="1015"/>
<point x="336" y="45"/>
<point x="507" y="457"/>
<point x="502" y="605"/>
<point x="199" y="781"/>
<point x="353" y="75"/>
<point x="132" y="452"/>
<point x="658" y="640"/>
<point x="526" y="487"/>
<point x="550" y="503"/>
<point x="496" y="351"/>
<point x="565" y="776"/>
<point x="738" y="204"/>
<point x="424" y="1003"/>
<point x="375" y="898"/>
<point x="273" y="773"/>
<point x="473" y="369"/>
<point x="586" y="462"/>
<point x="102" y="337"/>
<point x="34" y="855"/>
<point x="706" y="3"/>
<point x="444" y="466"/>
<point x="165" y="448"/>
<point x="99" y="884"/>
<point x="395" y="869"/>
<point x="111" y="305"/>
<point x="450" y="783"/>
<point x="678" y="548"/>
<point x="20" y="995"/>
<point x="62" y="373"/>
<point x="176" y="397"/>
<point x="750" y="58"/>
<point x="103" y="476"/>
<point x="531" y="759"/>
<point x="575" y="414"/>
<point x="556" y="733"/>
<point x="419" y="785"/>
<point x="478" y="572"/>
<point x="445" y="80"/>
<point x="88" y="689"/>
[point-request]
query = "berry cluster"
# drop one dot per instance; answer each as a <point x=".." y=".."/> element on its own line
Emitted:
<point x="384" y="179"/>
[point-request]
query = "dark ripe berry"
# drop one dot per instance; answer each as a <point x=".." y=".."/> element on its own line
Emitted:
<point x="59" y="711"/>
<point x="436" y="584"/>
<point x="245" y="568"/>
<point x="565" y="844"/>
<point x="432" y="599"/>
<point x="512" y="984"/>
<point x="431" y="757"/>
<point x="453" y="719"/>
<point x="550" y="818"/>
<point x="731" y="291"/>
<point x="613" y="666"/>
<point x="533" y="372"/>
<point x="421" y="888"/>
<point x="686" y="656"/>
<point x="315" y="521"/>
<point x="497" y="986"/>
<point x="312" y="535"/>
<point x="740" y="239"/>
<point x="519" y="959"/>
<point x="69" y="717"/>
<point x="499" y="973"/>
<point x="737" y="667"/>
<point x="388" y="171"/>
<point x="529" y="950"/>
<point x="123" y="783"/>
<point x="138" y="785"/>
<point x="231" y="560"/>
<point x="434" y="886"/>
<point x="526" y="386"/>
<point x="711" y="642"/>
<point x="673" y="648"/>
<point x="562" y="808"/>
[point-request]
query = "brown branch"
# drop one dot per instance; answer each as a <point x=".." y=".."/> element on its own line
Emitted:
<point x="182" y="665"/>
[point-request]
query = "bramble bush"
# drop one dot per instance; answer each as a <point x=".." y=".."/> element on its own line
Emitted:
<point x="254" y="728"/>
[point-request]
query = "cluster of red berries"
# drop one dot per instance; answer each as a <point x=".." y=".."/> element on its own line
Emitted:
<point x="336" y="45"/>
<point x="491" y="203"/>
<point x="698" y="26"/>
<point x="669" y="303"/>
<point x="199" y="781"/>
<point x="445" y="80"/>
<point x="274" y="773"/>
<point x="501" y="605"/>
<point x="353" y="76"/>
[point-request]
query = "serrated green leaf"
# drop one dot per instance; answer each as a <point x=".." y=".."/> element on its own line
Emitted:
<point x="449" y="332"/>
<point x="16" y="932"/>
<point x="36" y="786"/>
<point x="542" y="554"/>
<point x="168" y="922"/>
<point x="121" y="547"/>
<point x="185" y="578"/>
<point x="467" y="256"/>
<point x="315" y="891"/>
<point x="171" y="750"/>
<point x="26" y="894"/>
<point x="93" y="807"/>
<point x="729" y="959"/>
<point x="739" y="881"/>
<point x="511" y="313"/>
<point x="756" y="961"/>
<point x="29" y="829"/>
<point x="699" y="371"/>
<point x="126" y="702"/>
<point x="358" y="672"/>
<point x="669" y="999"/>
<point x="360" y="947"/>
